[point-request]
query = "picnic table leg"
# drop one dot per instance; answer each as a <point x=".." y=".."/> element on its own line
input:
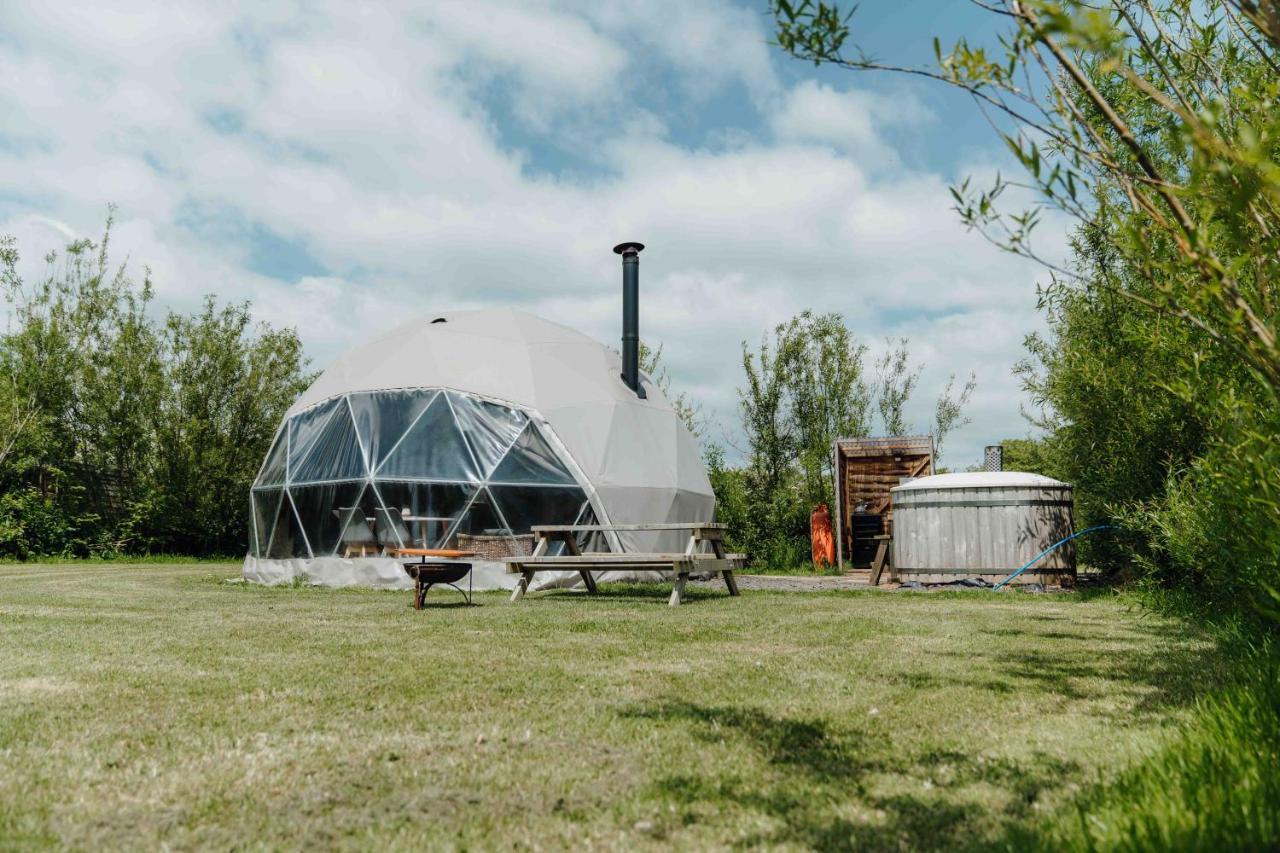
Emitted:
<point x="729" y="580"/>
<point x="526" y="577"/>
<point x="877" y="565"/>
<point x="678" y="592"/>
<point x="589" y="581"/>
<point x="522" y="585"/>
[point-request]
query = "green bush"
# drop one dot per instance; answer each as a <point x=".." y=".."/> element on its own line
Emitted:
<point x="121" y="433"/>
<point x="32" y="523"/>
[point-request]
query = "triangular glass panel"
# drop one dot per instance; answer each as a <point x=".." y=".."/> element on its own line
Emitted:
<point x="419" y="514"/>
<point x="524" y="506"/>
<point x="488" y="427"/>
<point x="482" y="530"/>
<point x="266" y="506"/>
<point x="273" y="470"/>
<point x="358" y="538"/>
<point x="335" y="453"/>
<point x="532" y="460"/>
<point x="383" y="417"/>
<point x="287" y="539"/>
<point x="305" y="429"/>
<point x="591" y="541"/>
<point x="433" y="449"/>
<point x="330" y="511"/>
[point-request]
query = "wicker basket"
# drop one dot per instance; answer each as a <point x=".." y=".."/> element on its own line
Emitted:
<point x="496" y="547"/>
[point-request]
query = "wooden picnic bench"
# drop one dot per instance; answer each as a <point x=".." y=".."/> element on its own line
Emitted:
<point x="691" y="561"/>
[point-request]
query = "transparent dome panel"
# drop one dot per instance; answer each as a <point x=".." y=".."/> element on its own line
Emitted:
<point x="480" y="519"/>
<point x="382" y="418"/>
<point x="524" y="506"/>
<point x="326" y="511"/>
<point x="432" y="449"/>
<point x="287" y="538"/>
<point x="359" y="519"/>
<point x="531" y="460"/>
<point x="273" y="470"/>
<point x="305" y="429"/>
<point x="266" y="506"/>
<point x="420" y="514"/>
<point x="490" y="429"/>
<point x="335" y="453"/>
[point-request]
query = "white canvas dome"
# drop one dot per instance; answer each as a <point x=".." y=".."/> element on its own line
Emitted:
<point x="475" y="422"/>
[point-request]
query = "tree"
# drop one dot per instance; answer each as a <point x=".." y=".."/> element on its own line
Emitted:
<point x="1028" y="454"/>
<point x="805" y="387"/>
<point x="948" y="409"/>
<point x="228" y="385"/>
<point x="121" y="434"/>
<point x="17" y="415"/>
<point x="895" y="382"/>
<point x="690" y="413"/>
<point x="828" y="396"/>
<point x="83" y="353"/>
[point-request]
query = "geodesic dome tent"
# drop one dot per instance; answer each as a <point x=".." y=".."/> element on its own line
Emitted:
<point x="462" y="431"/>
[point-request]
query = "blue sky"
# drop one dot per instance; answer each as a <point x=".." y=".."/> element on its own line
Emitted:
<point x="345" y="166"/>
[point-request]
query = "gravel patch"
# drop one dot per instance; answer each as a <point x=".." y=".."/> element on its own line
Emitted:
<point x="797" y="583"/>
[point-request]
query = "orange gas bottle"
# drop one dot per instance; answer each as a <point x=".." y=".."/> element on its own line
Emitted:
<point x="824" y="542"/>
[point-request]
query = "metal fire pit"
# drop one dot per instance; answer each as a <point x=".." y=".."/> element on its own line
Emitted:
<point x="427" y="574"/>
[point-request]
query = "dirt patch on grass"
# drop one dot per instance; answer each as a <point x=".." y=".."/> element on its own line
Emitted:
<point x="797" y="583"/>
<point x="38" y="686"/>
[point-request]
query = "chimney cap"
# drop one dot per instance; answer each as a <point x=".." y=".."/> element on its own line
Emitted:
<point x="630" y="247"/>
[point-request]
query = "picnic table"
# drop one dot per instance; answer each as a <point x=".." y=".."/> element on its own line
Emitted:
<point x="693" y="560"/>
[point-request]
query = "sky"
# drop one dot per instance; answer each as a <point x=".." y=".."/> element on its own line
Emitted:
<point x="347" y="166"/>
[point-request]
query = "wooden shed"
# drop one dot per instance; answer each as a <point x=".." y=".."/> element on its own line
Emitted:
<point x="865" y="470"/>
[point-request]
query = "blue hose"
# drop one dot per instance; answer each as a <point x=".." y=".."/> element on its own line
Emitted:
<point x="1049" y="550"/>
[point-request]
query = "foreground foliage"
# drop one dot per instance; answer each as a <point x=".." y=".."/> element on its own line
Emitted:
<point x="1215" y="787"/>
<point x="158" y="705"/>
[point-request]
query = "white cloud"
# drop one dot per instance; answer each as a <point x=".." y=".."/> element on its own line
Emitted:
<point x="850" y="121"/>
<point x="553" y="59"/>
<point x="372" y="138"/>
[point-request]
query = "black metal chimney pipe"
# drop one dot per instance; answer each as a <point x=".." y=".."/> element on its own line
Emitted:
<point x="631" y="314"/>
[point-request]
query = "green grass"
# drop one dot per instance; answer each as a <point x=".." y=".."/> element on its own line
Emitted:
<point x="151" y="705"/>
<point x="111" y="559"/>
<point x="801" y="570"/>
<point x="1214" y="787"/>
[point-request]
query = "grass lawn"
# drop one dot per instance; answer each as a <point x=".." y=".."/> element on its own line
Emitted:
<point x="148" y="705"/>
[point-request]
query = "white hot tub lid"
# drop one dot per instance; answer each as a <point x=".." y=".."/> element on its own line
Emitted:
<point x="982" y="480"/>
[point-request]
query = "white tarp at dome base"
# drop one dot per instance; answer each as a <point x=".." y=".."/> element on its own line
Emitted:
<point x="387" y="573"/>
<point x="463" y="431"/>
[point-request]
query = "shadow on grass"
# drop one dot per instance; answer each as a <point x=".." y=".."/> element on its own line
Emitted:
<point x="818" y="789"/>
<point x="1157" y="677"/>
<point x="806" y="746"/>
<point x="442" y="603"/>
